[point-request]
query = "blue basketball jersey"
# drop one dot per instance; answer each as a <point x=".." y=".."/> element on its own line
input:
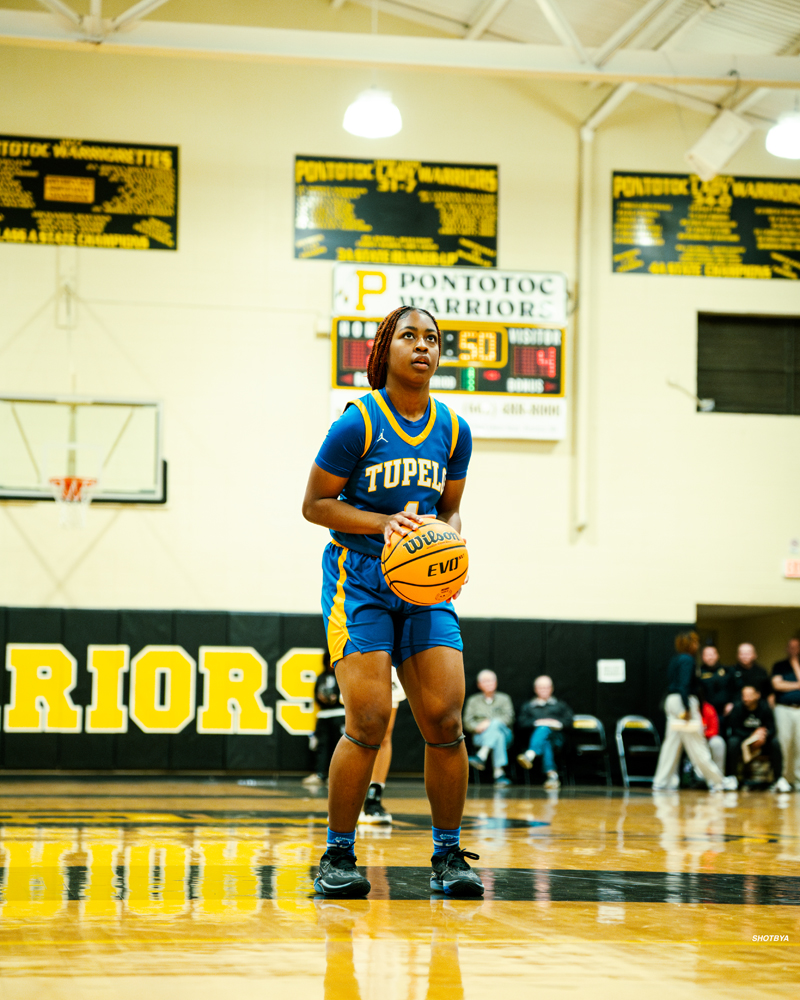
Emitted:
<point x="391" y="462"/>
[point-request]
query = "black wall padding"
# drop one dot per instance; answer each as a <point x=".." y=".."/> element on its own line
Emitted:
<point x="517" y="649"/>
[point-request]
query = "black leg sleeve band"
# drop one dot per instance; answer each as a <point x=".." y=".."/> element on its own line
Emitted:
<point x="443" y="746"/>
<point x="358" y="743"/>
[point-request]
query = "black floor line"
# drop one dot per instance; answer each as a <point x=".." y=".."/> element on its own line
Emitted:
<point x="562" y="886"/>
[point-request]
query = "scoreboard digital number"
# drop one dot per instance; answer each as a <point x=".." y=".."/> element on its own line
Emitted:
<point x="477" y="357"/>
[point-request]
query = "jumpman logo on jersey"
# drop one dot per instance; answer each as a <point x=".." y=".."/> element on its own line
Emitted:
<point x="380" y="437"/>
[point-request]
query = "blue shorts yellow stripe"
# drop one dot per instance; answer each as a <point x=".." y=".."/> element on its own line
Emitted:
<point x="363" y="615"/>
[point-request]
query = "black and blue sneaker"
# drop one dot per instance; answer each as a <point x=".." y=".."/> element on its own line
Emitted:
<point x="453" y="876"/>
<point x="338" y="876"/>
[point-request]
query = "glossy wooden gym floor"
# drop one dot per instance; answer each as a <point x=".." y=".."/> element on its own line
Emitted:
<point x="198" y="889"/>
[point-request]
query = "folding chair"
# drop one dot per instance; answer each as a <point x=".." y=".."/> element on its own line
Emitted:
<point x="589" y="741"/>
<point x="638" y="727"/>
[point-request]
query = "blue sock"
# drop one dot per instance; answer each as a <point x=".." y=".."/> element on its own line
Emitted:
<point x="343" y="841"/>
<point x="443" y="840"/>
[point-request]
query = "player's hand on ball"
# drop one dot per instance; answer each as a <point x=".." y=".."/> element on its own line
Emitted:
<point x="402" y="523"/>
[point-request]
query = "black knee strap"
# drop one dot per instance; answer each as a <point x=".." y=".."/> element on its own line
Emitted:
<point x="444" y="746"/>
<point x="358" y="743"/>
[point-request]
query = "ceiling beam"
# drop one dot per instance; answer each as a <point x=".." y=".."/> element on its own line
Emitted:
<point x="631" y="28"/>
<point x="700" y="104"/>
<point x="438" y="22"/>
<point x="58" y="7"/>
<point x="485" y="57"/>
<point x="492" y="9"/>
<point x="564" y="31"/>
<point x="747" y="100"/>
<point x="620" y="93"/>
<point x="135" y="13"/>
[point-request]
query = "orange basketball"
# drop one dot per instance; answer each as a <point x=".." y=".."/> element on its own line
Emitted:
<point x="426" y="566"/>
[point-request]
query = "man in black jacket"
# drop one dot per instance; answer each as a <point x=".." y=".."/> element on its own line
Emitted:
<point x="547" y="718"/>
<point x="752" y="731"/>
<point x="715" y="681"/>
<point x="747" y="670"/>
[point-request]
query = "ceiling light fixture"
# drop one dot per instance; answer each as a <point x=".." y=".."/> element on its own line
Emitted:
<point x="373" y="115"/>
<point x="783" y="139"/>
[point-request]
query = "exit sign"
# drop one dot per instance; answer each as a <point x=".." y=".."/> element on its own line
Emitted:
<point x="791" y="568"/>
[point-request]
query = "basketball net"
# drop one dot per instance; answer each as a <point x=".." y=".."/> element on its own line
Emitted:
<point x="72" y="494"/>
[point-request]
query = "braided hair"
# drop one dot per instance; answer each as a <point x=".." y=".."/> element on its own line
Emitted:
<point x="379" y="358"/>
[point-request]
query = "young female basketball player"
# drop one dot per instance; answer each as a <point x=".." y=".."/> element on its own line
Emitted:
<point x="391" y="457"/>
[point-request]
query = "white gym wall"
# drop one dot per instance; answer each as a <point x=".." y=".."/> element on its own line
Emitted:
<point x="683" y="508"/>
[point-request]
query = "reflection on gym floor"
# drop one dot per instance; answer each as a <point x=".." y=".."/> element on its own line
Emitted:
<point x="108" y="888"/>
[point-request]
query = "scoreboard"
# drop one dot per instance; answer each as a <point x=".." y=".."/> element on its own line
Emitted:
<point x="477" y="357"/>
<point x="502" y="364"/>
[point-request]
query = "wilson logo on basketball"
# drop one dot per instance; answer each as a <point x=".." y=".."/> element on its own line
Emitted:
<point x="431" y="538"/>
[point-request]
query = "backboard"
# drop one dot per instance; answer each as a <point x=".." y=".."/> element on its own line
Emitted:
<point x="115" y="441"/>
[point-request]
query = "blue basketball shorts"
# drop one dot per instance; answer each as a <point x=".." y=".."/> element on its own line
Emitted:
<point x="363" y="615"/>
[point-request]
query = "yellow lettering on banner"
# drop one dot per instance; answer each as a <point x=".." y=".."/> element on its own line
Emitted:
<point x="297" y="717"/>
<point x="235" y="679"/>
<point x="42" y="678"/>
<point x="362" y="286"/>
<point x="174" y="710"/>
<point x="295" y="676"/>
<point x="297" y="672"/>
<point x="107" y="664"/>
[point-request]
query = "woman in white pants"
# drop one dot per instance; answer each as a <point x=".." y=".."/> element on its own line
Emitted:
<point x="684" y="722"/>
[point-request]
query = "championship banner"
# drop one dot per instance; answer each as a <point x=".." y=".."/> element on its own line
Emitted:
<point x="728" y="227"/>
<point x="503" y="342"/>
<point x="396" y="212"/>
<point x="75" y="192"/>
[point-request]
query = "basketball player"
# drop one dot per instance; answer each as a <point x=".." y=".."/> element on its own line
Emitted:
<point x="393" y="456"/>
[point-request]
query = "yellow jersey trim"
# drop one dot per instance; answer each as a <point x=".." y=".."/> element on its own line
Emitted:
<point x="454" y="442"/>
<point x="398" y="429"/>
<point x="337" y="620"/>
<point x="367" y="426"/>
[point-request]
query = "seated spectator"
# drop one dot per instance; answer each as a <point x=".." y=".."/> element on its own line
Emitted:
<point x="330" y="721"/>
<point x="715" y="681"/>
<point x="786" y="684"/>
<point x="716" y="743"/>
<point x="546" y="717"/>
<point x="489" y="716"/>
<point x="752" y="732"/>
<point x="684" y="724"/>
<point x="747" y="670"/>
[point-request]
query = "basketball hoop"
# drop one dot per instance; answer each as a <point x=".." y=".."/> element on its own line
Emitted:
<point x="72" y="494"/>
